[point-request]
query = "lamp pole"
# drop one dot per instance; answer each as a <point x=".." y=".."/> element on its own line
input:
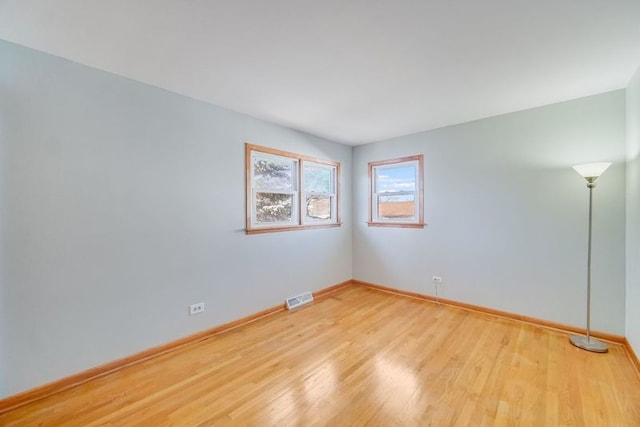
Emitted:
<point x="590" y="185"/>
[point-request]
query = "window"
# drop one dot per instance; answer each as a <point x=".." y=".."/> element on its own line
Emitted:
<point x="287" y="191"/>
<point x="396" y="192"/>
<point x="319" y="184"/>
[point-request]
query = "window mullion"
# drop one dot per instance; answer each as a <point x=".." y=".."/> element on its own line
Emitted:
<point x="299" y="183"/>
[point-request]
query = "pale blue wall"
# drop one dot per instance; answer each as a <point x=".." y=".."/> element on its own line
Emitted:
<point x="633" y="213"/>
<point x="507" y="216"/>
<point x="126" y="203"/>
<point x="3" y="308"/>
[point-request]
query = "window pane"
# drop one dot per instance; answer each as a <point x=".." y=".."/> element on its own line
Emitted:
<point x="273" y="207"/>
<point x="395" y="179"/>
<point x="274" y="174"/>
<point x="318" y="207"/>
<point x="396" y="207"/>
<point x="318" y="179"/>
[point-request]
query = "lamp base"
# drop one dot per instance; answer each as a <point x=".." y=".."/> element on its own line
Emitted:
<point x="589" y="344"/>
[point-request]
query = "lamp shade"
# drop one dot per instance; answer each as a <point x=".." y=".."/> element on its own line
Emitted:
<point x="592" y="170"/>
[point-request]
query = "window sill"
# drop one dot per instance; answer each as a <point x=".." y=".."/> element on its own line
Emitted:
<point x="263" y="230"/>
<point x="395" y="224"/>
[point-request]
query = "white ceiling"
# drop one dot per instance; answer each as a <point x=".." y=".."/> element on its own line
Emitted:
<point x="353" y="71"/>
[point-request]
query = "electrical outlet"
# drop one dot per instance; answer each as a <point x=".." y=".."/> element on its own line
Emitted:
<point x="436" y="279"/>
<point x="196" y="308"/>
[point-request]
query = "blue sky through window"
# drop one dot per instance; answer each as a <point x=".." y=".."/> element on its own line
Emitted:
<point x="396" y="179"/>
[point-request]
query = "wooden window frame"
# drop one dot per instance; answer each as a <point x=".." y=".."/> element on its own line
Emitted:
<point x="301" y="222"/>
<point x="419" y="193"/>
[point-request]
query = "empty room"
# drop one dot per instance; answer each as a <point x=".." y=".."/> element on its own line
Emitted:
<point x="392" y="213"/>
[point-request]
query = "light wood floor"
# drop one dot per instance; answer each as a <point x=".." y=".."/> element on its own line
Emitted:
<point x="359" y="357"/>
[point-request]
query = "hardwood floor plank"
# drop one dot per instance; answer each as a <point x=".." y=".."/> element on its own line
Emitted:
<point x="361" y="357"/>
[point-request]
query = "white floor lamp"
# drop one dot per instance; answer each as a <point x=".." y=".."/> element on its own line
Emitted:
<point x="591" y="172"/>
